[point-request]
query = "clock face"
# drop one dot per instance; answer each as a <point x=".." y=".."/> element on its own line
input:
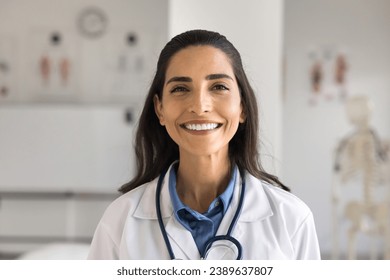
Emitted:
<point x="92" y="22"/>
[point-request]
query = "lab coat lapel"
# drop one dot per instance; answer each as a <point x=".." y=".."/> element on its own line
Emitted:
<point x="146" y="208"/>
<point x="256" y="202"/>
<point x="183" y="244"/>
<point x="255" y="207"/>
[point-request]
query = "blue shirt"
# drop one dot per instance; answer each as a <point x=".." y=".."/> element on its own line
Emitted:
<point x="202" y="226"/>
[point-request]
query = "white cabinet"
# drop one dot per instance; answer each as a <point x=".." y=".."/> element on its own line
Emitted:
<point x="29" y="220"/>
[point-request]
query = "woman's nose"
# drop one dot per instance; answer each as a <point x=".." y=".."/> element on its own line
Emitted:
<point x="201" y="102"/>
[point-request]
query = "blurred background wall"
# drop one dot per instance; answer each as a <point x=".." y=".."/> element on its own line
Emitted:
<point x="312" y="128"/>
<point x="74" y="74"/>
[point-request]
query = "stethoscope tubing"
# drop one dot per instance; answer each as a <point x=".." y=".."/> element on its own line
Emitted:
<point x="212" y="240"/>
<point x="159" y="216"/>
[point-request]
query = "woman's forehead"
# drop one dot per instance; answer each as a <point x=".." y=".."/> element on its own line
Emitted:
<point x="199" y="60"/>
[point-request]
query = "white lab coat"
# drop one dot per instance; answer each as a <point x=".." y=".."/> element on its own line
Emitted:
<point x="273" y="224"/>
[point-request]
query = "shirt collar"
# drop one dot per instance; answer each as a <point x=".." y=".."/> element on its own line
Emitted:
<point x="255" y="198"/>
<point x="225" y="197"/>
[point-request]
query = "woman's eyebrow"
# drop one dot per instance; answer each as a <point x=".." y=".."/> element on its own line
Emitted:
<point x="218" y="76"/>
<point x="208" y="77"/>
<point x="179" y="79"/>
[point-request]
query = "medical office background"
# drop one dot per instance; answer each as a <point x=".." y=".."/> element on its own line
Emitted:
<point x="73" y="76"/>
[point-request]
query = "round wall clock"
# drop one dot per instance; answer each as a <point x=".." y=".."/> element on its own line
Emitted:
<point x="92" y="22"/>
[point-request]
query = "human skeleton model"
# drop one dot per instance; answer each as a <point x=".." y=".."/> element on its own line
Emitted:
<point x="362" y="155"/>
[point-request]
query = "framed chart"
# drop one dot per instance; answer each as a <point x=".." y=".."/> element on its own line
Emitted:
<point x="8" y="68"/>
<point x="53" y="66"/>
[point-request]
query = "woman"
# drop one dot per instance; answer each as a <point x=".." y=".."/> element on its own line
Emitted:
<point x="200" y="191"/>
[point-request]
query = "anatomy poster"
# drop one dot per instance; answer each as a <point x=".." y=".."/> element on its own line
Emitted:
<point x="53" y="66"/>
<point x="126" y="62"/>
<point x="7" y="68"/>
<point x="328" y="70"/>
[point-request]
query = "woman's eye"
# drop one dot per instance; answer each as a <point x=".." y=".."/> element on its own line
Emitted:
<point x="220" y="87"/>
<point x="178" y="89"/>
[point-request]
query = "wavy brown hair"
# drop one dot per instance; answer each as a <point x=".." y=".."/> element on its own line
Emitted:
<point x="155" y="150"/>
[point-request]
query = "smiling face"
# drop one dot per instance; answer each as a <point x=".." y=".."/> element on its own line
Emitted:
<point x="200" y="104"/>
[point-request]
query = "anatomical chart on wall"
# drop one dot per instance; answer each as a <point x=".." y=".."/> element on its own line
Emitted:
<point x="7" y="68"/>
<point x="328" y="70"/>
<point x="126" y="62"/>
<point x="53" y="68"/>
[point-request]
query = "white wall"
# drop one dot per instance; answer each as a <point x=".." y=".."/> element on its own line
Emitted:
<point x="310" y="133"/>
<point x="255" y="28"/>
<point x="28" y="24"/>
<point x="64" y="148"/>
<point x="85" y="142"/>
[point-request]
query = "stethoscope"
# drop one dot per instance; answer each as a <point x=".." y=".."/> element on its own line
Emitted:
<point x="213" y="240"/>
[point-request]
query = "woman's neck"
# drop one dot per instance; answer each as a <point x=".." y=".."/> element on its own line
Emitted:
<point x="201" y="179"/>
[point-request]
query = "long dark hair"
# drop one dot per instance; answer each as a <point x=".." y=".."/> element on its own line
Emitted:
<point x="155" y="150"/>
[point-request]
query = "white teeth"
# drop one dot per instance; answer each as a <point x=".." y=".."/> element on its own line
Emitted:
<point x="204" y="126"/>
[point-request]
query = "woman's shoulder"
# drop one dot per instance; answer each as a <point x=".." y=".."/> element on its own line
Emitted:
<point x="282" y="201"/>
<point x="126" y="204"/>
<point x="109" y="232"/>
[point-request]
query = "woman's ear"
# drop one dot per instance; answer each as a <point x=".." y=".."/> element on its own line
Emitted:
<point x="242" y="115"/>
<point x="158" y="109"/>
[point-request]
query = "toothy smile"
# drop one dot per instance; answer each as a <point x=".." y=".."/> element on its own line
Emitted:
<point x="202" y="126"/>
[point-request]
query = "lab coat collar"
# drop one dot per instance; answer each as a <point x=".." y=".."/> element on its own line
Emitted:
<point x="256" y="204"/>
<point x="146" y="208"/>
<point x="256" y="207"/>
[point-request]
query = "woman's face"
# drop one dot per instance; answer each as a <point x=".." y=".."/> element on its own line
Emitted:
<point x="200" y="105"/>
